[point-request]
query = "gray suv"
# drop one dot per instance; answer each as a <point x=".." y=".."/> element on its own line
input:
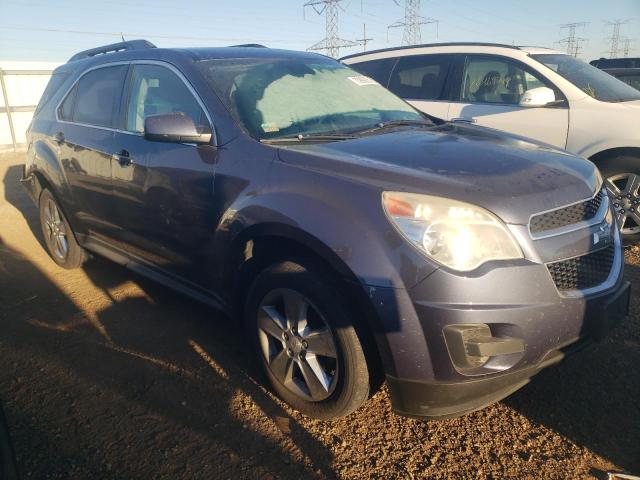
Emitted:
<point x="357" y="238"/>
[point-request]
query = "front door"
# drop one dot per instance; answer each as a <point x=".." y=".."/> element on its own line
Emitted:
<point x="163" y="192"/>
<point x="490" y="92"/>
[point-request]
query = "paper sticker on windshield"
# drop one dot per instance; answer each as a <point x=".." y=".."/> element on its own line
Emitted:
<point x="361" y="80"/>
<point x="269" y="128"/>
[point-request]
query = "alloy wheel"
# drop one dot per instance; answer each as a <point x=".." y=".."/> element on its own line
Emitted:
<point x="623" y="192"/>
<point x="298" y="344"/>
<point x="56" y="230"/>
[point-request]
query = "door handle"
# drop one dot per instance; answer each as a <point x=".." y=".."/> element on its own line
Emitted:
<point x="59" y="138"/>
<point x="464" y="120"/>
<point x="123" y="158"/>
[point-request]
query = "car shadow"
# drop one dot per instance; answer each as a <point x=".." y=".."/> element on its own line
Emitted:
<point x="159" y="354"/>
<point x="592" y="396"/>
<point x="17" y="196"/>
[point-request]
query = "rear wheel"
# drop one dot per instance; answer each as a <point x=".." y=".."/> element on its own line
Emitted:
<point x="58" y="236"/>
<point x="306" y="342"/>
<point x="622" y="179"/>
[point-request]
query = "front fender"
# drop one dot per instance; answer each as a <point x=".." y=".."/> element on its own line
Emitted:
<point x="596" y="148"/>
<point x="356" y="239"/>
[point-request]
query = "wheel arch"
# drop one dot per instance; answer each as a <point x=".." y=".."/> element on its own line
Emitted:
<point x="263" y="245"/>
<point x="609" y="153"/>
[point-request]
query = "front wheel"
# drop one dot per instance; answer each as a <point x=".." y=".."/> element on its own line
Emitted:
<point x="622" y="179"/>
<point x="306" y="342"/>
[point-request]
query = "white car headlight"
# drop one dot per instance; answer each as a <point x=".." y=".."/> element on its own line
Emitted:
<point x="456" y="234"/>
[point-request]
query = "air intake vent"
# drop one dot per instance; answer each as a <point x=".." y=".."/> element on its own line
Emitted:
<point x="565" y="216"/>
<point x="583" y="272"/>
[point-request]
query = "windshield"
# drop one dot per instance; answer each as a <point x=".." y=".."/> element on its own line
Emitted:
<point x="594" y="82"/>
<point x="283" y="97"/>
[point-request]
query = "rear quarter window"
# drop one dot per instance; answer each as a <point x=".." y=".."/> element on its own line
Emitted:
<point x="54" y="84"/>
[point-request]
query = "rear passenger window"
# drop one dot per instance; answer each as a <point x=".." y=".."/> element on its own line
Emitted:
<point x="98" y="96"/>
<point x="379" y="70"/>
<point x="156" y="90"/>
<point x="420" y="77"/>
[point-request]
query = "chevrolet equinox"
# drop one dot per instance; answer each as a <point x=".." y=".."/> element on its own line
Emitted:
<point x="358" y="239"/>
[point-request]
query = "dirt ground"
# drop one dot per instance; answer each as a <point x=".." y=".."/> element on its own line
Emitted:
<point x="104" y="374"/>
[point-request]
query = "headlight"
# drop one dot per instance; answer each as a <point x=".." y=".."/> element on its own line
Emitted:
<point x="456" y="234"/>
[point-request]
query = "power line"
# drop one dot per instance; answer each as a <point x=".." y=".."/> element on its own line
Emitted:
<point x="615" y="37"/>
<point x="572" y="43"/>
<point x="364" y="40"/>
<point x="412" y="22"/>
<point x="130" y="34"/>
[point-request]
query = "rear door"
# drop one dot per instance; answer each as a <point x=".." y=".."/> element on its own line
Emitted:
<point x="489" y="92"/>
<point x="423" y="81"/>
<point x="87" y="116"/>
<point x="163" y="192"/>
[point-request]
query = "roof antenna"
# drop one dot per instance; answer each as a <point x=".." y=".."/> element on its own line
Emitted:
<point x="122" y="36"/>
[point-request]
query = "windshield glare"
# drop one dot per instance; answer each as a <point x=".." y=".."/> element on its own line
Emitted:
<point x="591" y="80"/>
<point x="275" y="98"/>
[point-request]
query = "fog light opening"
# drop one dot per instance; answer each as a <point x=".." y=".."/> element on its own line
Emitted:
<point x="472" y="346"/>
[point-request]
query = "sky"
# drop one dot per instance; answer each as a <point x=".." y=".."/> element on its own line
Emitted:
<point x="52" y="30"/>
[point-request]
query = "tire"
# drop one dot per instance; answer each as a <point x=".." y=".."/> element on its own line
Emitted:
<point x="277" y="296"/>
<point x="59" y="238"/>
<point x="620" y="174"/>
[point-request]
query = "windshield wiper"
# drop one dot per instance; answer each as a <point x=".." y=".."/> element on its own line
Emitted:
<point x="324" y="137"/>
<point x="398" y="123"/>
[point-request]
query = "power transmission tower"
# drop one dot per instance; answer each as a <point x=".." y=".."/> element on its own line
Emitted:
<point x="412" y="22"/>
<point x="331" y="43"/>
<point x="626" y="47"/>
<point x="364" y="40"/>
<point x="615" y="37"/>
<point x="572" y="43"/>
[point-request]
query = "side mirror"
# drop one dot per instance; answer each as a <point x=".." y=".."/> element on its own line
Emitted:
<point x="537" y="97"/>
<point x="175" y="128"/>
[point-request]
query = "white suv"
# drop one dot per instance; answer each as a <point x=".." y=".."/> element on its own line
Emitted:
<point x="535" y="92"/>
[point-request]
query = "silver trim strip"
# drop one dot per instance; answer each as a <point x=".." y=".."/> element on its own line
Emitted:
<point x="595" y="220"/>
<point x="135" y="62"/>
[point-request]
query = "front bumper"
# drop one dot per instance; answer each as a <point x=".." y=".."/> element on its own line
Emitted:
<point x="450" y="399"/>
<point x="517" y="302"/>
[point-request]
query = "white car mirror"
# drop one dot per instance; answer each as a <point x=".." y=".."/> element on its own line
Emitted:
<point x="537" y="97"/>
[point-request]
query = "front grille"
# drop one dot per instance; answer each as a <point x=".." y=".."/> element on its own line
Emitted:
<point x="583" y="272"/>
<point x="564" y="216"/>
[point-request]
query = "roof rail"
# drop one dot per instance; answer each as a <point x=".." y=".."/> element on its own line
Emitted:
<point x="112" y="48"/>
<point x="248" y="45"/>
<point x="424" y="45"/>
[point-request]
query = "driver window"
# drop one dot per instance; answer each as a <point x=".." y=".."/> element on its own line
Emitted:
<point x="156" y="90"/>
<point x="496" y="80"/>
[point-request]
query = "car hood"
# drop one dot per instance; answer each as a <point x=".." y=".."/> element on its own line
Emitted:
<point x="511" y="176"/>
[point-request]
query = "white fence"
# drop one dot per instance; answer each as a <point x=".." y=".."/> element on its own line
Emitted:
<point x="21" y="86"/>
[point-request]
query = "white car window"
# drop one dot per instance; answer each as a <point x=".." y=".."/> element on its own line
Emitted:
<point x="495" y="80"/>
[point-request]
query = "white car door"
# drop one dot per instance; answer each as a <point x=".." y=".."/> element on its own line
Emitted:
<point x="422" y="81"/>
<point x="490" y="91"/>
